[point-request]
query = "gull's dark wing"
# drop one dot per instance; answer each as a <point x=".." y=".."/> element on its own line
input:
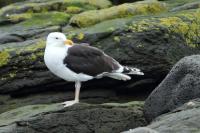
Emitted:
<point x="89" y="60"/>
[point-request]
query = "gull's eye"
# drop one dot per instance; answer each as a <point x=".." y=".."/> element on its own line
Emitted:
<point x="57" y="38"/>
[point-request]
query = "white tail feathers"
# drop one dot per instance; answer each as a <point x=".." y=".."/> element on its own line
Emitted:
<point x="122" y="74"/>
<point x="134" y="71"/>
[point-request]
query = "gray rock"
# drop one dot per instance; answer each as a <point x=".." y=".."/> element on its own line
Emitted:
<point x="84" y="118"/>
<point x="180" y="85"/>
<point x="11" y="38"/>
<point x="185" y="119"/>
<point x="141" y="130"/>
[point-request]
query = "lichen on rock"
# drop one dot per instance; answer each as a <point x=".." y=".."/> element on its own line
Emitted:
<point x="184" y="23"/>
<point x="4" y="58"/>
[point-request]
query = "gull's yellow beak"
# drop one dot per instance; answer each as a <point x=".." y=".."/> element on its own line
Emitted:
<point x="69" y="42"/>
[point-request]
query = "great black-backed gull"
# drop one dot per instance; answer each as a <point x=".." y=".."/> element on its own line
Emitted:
<point x="79" y="63"/>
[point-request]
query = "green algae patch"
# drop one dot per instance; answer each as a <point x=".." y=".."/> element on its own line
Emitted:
<point x="4" y="58"/>
<point x="89" y="18"/>
<point x="46" y="19"/>
<point x="186" y="24"/>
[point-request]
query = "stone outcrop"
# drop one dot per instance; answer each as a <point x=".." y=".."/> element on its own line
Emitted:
<point x="181" y="85"/>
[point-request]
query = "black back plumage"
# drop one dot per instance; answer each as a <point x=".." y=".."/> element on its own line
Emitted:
<point x="89" y="60"/>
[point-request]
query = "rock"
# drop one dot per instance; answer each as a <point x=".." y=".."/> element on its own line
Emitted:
<point x="7" y="2"/>
<point x="193" y="5"/>
<point x="179" y="86"/>
<point x="153" y="44"/>
<point x="33" y="26"/>
<point x="182" y="120"/>
<point x="11" y="38"/>
<point x="89" y="18"/>
<point x="141" y="130"/>
<point x="84" y="118"/>
<point x="35" y="6"/>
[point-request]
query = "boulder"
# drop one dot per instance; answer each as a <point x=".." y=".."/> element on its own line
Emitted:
<point x="92" y="17"/>
<point x="180" y="85"/>
<point x="184" y="119"/>
<point x="84" y="118"/>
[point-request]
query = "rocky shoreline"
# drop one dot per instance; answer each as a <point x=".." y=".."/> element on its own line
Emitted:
<point x="160" y="37"/>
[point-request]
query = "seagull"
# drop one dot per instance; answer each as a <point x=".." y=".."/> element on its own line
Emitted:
<point x="80" y="62"/>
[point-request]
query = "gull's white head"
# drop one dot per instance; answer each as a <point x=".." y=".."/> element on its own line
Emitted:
<point x="57" y="39"/>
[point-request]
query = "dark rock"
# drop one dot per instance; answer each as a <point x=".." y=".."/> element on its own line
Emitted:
<point x="84" y="118"/>
<point x="185" y="119"/>
<point x="11" y="38"/>
<point x="181" y="85"/>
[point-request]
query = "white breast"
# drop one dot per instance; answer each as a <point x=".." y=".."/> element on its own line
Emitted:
<point x="54" y="57"/>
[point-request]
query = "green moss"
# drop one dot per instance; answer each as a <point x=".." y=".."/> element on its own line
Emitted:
<point x="4" y="58"/>
<point x="12" y="75"/>
<point x="73" y="10"/>
<point x="80" y="36"/>
<point x="95" y="3"/>
<point x="117" y="39"/>
<point x="89" y="18"/>
<point x="19" y="17"/>
<point x="46" y="19"/>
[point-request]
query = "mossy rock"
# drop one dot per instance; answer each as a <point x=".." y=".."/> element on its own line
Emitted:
<point x="176" y="3"/>
<point x="54" y="5"/>
<point x="26" y="55"/>
<point x="47" y="19"/>
<point x="89" y="18"/>
<point x="7" y="2"/>
<point x="39" y="19"/>
<point x="107" y="26"/>
<point x="99" y="4"/>
<point x="186" y="24"/>
<point x="82" y="117"/>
